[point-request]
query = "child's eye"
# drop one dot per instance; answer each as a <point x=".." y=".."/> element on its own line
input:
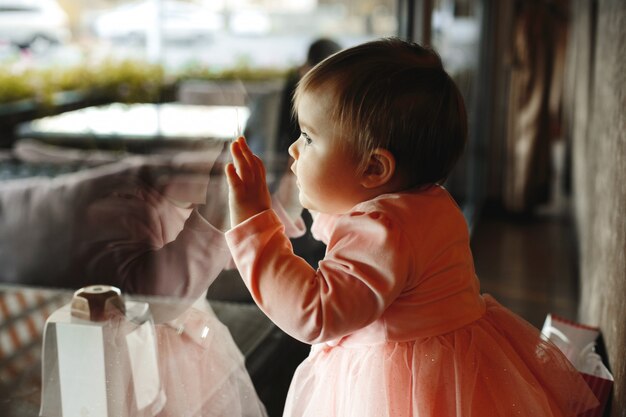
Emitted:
<point x="307" y="139"/>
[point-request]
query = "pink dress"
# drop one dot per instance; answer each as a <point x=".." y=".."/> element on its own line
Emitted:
<point x="396" y="320"/>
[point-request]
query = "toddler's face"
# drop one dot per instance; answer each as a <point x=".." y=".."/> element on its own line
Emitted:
<point x="328" y="180"/>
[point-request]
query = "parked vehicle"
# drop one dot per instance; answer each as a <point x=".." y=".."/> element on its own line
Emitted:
<point x="27" y="22"/>
<point x="180" y="22"/>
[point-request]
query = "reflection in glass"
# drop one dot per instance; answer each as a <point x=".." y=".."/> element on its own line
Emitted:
<point x="110" y="171"/>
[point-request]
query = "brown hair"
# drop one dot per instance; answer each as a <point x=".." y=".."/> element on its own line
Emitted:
<point x="395" y="95"/>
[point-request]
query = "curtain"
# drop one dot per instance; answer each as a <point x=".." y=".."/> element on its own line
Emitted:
<point x="534" y="102"/>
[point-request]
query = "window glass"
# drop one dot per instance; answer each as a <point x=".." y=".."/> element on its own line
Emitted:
<point x="180" y="33"/>
<point x="63" y="54"/>
<point x="115" y="118"/>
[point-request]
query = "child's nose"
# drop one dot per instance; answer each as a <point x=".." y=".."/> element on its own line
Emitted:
<point x="293" y="150"/>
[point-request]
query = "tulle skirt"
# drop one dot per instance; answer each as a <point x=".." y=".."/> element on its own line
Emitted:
<point x="202" y="371"/>
<point x="495" y="366"/>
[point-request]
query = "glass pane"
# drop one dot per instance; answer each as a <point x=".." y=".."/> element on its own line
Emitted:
<point x="115" y="117"/>
<point x="58" y="55"/>
<point x="179" y="33"/>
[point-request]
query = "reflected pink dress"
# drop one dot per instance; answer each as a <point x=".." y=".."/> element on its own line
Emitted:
<point x="396" y="320"/>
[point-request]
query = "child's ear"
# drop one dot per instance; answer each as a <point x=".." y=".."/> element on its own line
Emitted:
<point x="380" y="168"/>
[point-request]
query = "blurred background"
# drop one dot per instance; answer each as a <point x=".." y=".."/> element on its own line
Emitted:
<point x="86" y="83"/>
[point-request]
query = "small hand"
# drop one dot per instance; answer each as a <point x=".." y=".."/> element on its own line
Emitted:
<point x="248" y="192"/>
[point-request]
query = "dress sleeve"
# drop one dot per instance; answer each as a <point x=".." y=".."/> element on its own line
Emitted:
<point x="294" y="225"/>
<point x="365" y="269"/>
<point x="322" y="226"/>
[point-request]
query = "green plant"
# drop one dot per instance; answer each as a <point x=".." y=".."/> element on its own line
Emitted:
<point x="14" y="86"/>
<point x="129" y="81"/>
<point x="125" y="81"/>
<point x="240" y="72"/>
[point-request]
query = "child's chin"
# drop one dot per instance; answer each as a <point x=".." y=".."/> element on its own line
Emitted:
<point x="304" y="202"/>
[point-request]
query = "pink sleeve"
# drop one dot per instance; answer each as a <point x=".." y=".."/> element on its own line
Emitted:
<point x="293" y="227"/>
<point x="322" y="226"/>
<point x="365" y="269"/>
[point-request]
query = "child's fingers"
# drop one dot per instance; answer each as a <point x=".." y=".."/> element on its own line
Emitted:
<point x="248" y="155"/>
<point x="241" y="163"/>
<point x="255" y="164"/>
<point x="260" y="168"/>
<point x="231" y="176"/>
